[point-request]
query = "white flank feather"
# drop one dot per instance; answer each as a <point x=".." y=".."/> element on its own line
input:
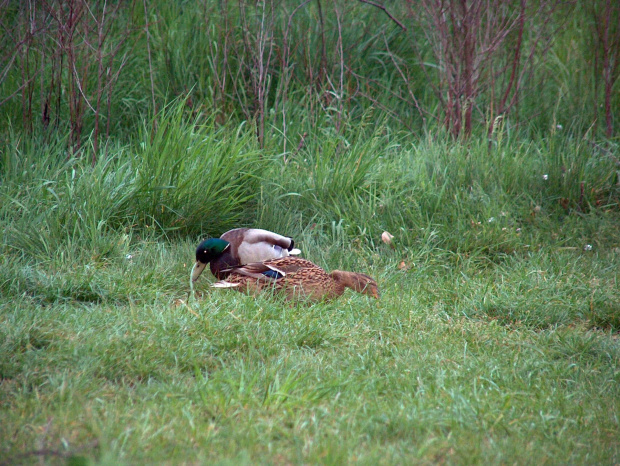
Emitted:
<point x="224" y="284"/>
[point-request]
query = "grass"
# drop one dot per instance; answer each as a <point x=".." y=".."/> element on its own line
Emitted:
<point x="437" y="370"/>
<point x="493" y="341"/>
<point x="496" y="336"/>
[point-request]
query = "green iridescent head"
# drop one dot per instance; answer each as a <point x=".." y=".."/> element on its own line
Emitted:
<point x="210" y="249"/>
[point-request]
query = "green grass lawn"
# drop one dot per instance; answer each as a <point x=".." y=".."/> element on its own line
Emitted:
<point x="128" y="135"/>
<point x="462" y="360"/>
<point x="495" y="339"/>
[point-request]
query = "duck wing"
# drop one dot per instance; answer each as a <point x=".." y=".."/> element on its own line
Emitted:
<point x="259" y="270"/>
<point x="257" y="245"/>
<point x="274" y="269"/>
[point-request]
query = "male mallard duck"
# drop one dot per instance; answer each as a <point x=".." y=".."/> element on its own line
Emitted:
<point x="238" y="247"/>
<point x="298" y="279"/>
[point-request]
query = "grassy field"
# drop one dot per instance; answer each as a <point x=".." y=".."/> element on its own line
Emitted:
<point x="461" y="360"/>
<point x="495" y="338"/>
<point x="130" y="131"/>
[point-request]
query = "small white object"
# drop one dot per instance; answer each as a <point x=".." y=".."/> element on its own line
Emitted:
<point x="387" y="237"/>
<point x="545" y="177"/>
<point x="492" y="219"/>
<point x="587" y="247"/>
<point x="224" y="284"/>
<point x="129" y="257"/>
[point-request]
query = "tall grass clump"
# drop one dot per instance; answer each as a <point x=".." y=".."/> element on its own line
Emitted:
<point x="329" y="182"/>
<point x="476" y="197"/>
<point x="192" y="177"/>
<point x="52" y="201"/>
<point x="184" y="177"/>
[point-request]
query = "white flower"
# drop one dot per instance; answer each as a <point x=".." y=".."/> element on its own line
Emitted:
<point x="491" y="220"/>
<point x="545" y="177"/>
<point x="129" y="257"/>
<point x="587" y="247"/>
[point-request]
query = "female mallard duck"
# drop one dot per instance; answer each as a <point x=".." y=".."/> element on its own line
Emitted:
<point x="297" y="279"/>
<point x="238" y="247"/>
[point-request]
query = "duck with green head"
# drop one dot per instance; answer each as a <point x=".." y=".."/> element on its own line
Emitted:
<point x="238" y="247"/>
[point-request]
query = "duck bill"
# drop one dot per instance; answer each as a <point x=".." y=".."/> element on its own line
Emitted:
<point x="197" y="270"/>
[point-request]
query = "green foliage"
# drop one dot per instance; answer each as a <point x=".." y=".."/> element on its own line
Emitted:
<point x="188" y="178"/>
<point x="476" y="198"/>
<point x="457" y="361"/>
<point x="193" y="177"/>
<point x="496" y="336"/>
<point x="339" y="60"/>
<point x="497" y="300"/>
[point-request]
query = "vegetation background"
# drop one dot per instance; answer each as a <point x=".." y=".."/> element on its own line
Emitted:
<point x="483" y="135"/>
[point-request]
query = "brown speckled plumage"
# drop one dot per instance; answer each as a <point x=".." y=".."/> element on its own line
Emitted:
<point x="297" y="279"/>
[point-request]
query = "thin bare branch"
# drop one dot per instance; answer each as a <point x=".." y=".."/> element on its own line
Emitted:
<point x="148" y="50"/>
<point x="385" y="10"/>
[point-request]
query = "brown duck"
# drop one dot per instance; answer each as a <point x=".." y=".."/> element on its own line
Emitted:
<point x="297" y="279"/>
